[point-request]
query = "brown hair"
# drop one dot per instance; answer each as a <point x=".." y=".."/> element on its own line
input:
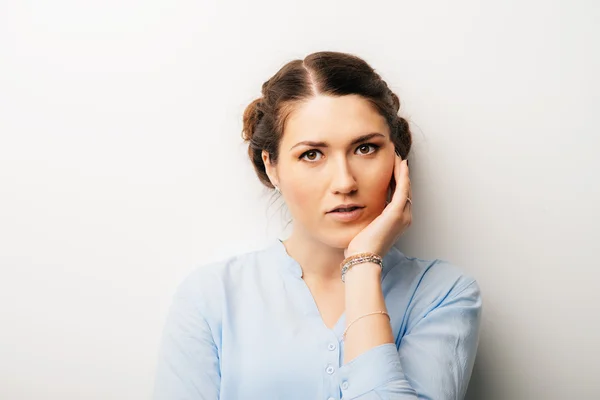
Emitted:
<point x="326" y="73"/>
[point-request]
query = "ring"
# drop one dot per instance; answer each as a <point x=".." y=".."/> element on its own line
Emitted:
<point x="409" y="200"/>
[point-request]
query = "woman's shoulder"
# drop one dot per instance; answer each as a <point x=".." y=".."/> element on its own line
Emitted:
<point x="433" y="274"/>
<point x="227" y="267"/>
<point x="428" y="284"/>
<point x="208" y="281"/>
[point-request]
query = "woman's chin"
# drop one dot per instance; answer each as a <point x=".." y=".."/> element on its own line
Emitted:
<point x="340" y="239"/>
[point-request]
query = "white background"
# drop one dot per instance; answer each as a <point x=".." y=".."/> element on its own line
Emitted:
<point x="122" y="169"/>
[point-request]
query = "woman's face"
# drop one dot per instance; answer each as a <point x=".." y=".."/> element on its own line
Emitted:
<point x="334" y="151"/>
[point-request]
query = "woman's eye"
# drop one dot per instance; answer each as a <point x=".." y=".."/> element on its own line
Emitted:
<point x="365" y="149"/>
<point x="311" y="155"/>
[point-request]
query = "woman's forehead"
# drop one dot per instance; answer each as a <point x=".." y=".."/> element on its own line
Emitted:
<point x="335" y="119"/>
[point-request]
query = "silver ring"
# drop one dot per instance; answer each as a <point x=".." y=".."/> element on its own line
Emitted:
<point x="409" y="200"/>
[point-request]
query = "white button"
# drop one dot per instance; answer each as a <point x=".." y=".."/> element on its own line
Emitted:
<point x="329" y="370"/>
<point x="331" y="346"/>
<point x="345" y="385"/>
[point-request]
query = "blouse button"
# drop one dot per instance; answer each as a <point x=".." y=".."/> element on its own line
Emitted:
<point x="331" y="346"/>
<point x="345" y="385"/>
<point x="329" y="370"/>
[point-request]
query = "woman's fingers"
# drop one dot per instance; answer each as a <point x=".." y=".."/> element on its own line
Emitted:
<point x="409" y="188"/>
<point x="408" y="205"/>
<point x="402" y="183"/>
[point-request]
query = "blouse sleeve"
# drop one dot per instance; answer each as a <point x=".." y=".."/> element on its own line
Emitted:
<point x="434" y="360"/>
<point x="188" y="361"/>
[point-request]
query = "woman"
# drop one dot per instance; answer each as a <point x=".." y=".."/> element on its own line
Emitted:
<point x="334" y="311"/>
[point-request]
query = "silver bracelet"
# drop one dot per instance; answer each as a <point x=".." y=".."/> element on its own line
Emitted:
<point x="361" y="317"/>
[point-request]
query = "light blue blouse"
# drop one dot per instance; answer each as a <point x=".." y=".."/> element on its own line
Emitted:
<point x="248" y="328"/>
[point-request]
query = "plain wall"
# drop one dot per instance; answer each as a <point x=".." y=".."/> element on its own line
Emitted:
<point x="122" y="169"/>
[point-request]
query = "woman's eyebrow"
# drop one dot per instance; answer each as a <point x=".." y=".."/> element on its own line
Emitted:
<point x="359" y="139"/>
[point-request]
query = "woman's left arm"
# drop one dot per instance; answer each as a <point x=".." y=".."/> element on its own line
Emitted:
<point x="434" y="359"/>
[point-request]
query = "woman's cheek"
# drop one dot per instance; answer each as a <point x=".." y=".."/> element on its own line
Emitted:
<point x="380" y="184"/>
<point x="301" y="196"/>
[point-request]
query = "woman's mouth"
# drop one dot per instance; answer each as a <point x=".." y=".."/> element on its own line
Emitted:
<point x="345" y="209"/>
<point x="346" y="214"/>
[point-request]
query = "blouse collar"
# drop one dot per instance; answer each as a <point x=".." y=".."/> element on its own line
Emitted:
<point x="289" y="264"/>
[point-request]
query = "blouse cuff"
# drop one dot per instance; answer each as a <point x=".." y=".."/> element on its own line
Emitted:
<point x="368" y="371"/>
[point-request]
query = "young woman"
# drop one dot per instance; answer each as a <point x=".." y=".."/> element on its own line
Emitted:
<point x="333" y="311"/>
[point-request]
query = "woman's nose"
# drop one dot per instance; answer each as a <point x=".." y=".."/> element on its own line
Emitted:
<point x="342" y="181"/>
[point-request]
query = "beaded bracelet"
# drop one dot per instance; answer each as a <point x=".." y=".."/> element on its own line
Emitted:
<point x="359" y="258"/>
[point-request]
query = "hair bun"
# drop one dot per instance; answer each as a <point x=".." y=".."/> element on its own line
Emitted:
<point x="251" y="118"/>
<point x="395" y="100"/>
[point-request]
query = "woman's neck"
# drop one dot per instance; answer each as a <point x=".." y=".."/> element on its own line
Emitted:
<point x="318" y="260"/>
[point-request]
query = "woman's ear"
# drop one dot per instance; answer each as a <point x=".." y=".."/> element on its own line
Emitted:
<point x="270" y="168"/>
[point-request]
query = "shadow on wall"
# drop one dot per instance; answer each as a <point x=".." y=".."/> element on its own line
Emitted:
<point x="480" y="384"/>
<point x="476" y="385"/>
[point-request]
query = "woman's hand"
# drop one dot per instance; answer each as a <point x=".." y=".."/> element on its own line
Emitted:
<point x="381" y="234"/>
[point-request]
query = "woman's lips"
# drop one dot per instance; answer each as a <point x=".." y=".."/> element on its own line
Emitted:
<point x="346" y="216"/>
